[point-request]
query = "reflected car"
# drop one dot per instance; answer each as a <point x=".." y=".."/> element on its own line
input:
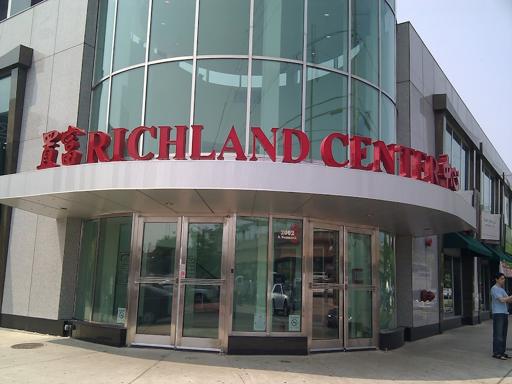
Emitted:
<point x="280" y="300"/>
<point x="333" y="318"/>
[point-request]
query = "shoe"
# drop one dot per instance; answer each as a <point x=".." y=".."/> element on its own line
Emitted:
<point x="506" y="356"/>
<point x="499" y="357"/>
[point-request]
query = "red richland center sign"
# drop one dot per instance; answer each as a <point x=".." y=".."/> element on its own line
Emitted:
<point x="412" y="163"/>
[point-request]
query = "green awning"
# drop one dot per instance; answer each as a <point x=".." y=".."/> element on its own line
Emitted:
<point x="500" y="254"/>
<point x="459" y="240"/>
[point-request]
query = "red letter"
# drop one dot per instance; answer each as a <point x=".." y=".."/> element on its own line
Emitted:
<point x="288" y="145"/>
<point x="417" y="165"/>
<point x="444" y="171"/>
<point x="196" y="145"/>
<point x="270" y="149"/>
<point x="326" y="149"/>
<point x="430" y="170"/>
<point x="405" y="160"/>
<point x="165" y="142"/>
<point x="49" y="155"/>
<point x="119" y="141"/>
<point x="357" y="154"/>
<point x="133" y="142"/>
<point x="235" y="147"/>
<point x="96" y="147"/>
<point x="384" y="154"/>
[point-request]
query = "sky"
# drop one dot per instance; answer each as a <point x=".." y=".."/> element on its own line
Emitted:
<point x="471" y="40"/>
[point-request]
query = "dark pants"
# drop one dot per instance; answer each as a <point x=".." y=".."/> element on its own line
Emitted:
<point x="499" y="333"/>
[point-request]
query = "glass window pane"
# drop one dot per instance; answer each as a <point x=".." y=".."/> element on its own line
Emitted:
<point x="19" y="5"/>
<point x="447" y="285"/>
<point x="5" y="93"/>
<point x="359" y="259"/>
<point x="278" y="28"/>
<point x="126" y="99"/>
<point x="131" y="31"/>
<point x="365" y="52"/>
<point x="455" y="157"/>
<point x="85" y="280"/>
<point x="360" y="314"/>
<point x="172" y="29"/>
<point x="286" y="275"/>
<point x="325" y="313"/>
<point x="325" y="256"/>
<point x="99" y="107"/>
<point x="365" y="110"/>
<point x="447" y="142"/>
<point x="464" y="161"/>
<point x="388" y="44"/>
<point x="223" y="27"/>
<point x="276" y="97"/>
<point x="158" y="249"/>
<point x="112" y="270"/>
<point x="387" y="282"/>
<point x="155" y="308"/>
<point x="327" y="33"/>
<point x="250" y="294"/>
<point x="204" y="251"/>
<point x="201" y="311"/>
<point x="326" y="110"/>
<point x="168" y="97"/>
<point x="104" y="39"/>
<point x="387" y="120"/>
<point x="221" y="99"/>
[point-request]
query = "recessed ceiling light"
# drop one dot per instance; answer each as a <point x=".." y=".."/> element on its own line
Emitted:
<point x="326" y="14"/>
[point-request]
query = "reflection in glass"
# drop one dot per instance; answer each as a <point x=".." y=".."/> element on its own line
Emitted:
<point x="84" y="288"/>
<point x="99" y="107"/>
<point x="155" y="309"/>
<point x="365" y="37"/>
<point x="201" y="311"/>
<point x="104" y="40"/>
<point x="5" y="96"/>
<point x="19" y="5"/>
<point x="221" y="99"/>
<point x="326" y="110"/>
<point x="360" y="314"/>
<point x="223" y="27"/>
<point x="276" y="96"/>
<point x="168" y="98"/>
<point x="278" y="28"/>
<point x="250" y="293"/>
<point x="172" y="29"/>
<point x="387" y="281"/>
<point x="287" y="275"/>
<point x="359" y="259"/>
<point x="326" y="314"/>
<point x="158" y="249"/>
<point x="387" y="121"/>
<point x="447" y="285"/>
<point x="204" y="251"/>
<point x="365" y="110"/>
<point x="111" y="283"/>
<point x="131" y="31"/>
<point x="388" y="43"/>
<point x="327" y="33"/>
<point x="325" y="256"/>
<point x="126" y="99"/>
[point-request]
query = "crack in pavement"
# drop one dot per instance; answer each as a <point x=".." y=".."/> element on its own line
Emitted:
<point x="149" y="368"/>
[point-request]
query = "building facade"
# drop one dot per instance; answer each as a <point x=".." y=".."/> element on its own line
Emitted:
<point x="246" y="176"/>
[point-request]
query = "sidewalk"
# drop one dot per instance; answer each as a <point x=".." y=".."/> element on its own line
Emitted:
<point x="458" y="356"/>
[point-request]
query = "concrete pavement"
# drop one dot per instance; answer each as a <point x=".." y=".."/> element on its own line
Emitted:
<point x="462" y="355"/>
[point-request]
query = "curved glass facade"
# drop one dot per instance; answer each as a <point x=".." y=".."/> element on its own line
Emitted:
<point x="320" y="66"/>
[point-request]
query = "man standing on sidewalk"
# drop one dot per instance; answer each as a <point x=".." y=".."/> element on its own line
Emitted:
<point x="499" y="317"/>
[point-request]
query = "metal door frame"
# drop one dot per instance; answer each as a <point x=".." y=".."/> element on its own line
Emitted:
<point x="374" y="238"/>
<point x="183" y="342"/>
<point x="135" y="280"/>
<point x="333" y="344"/>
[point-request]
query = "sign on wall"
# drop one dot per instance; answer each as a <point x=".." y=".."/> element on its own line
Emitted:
<point x="364" y="153"/>
<point x="490" y="226"/>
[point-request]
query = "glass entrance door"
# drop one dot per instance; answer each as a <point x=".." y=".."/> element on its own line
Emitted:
<point x="156" y="282"/>
<point x="326" y="288"/>
<point x="202" y="284"/>
<point x="361" y="293"/>
<point x="178" y="284"/>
